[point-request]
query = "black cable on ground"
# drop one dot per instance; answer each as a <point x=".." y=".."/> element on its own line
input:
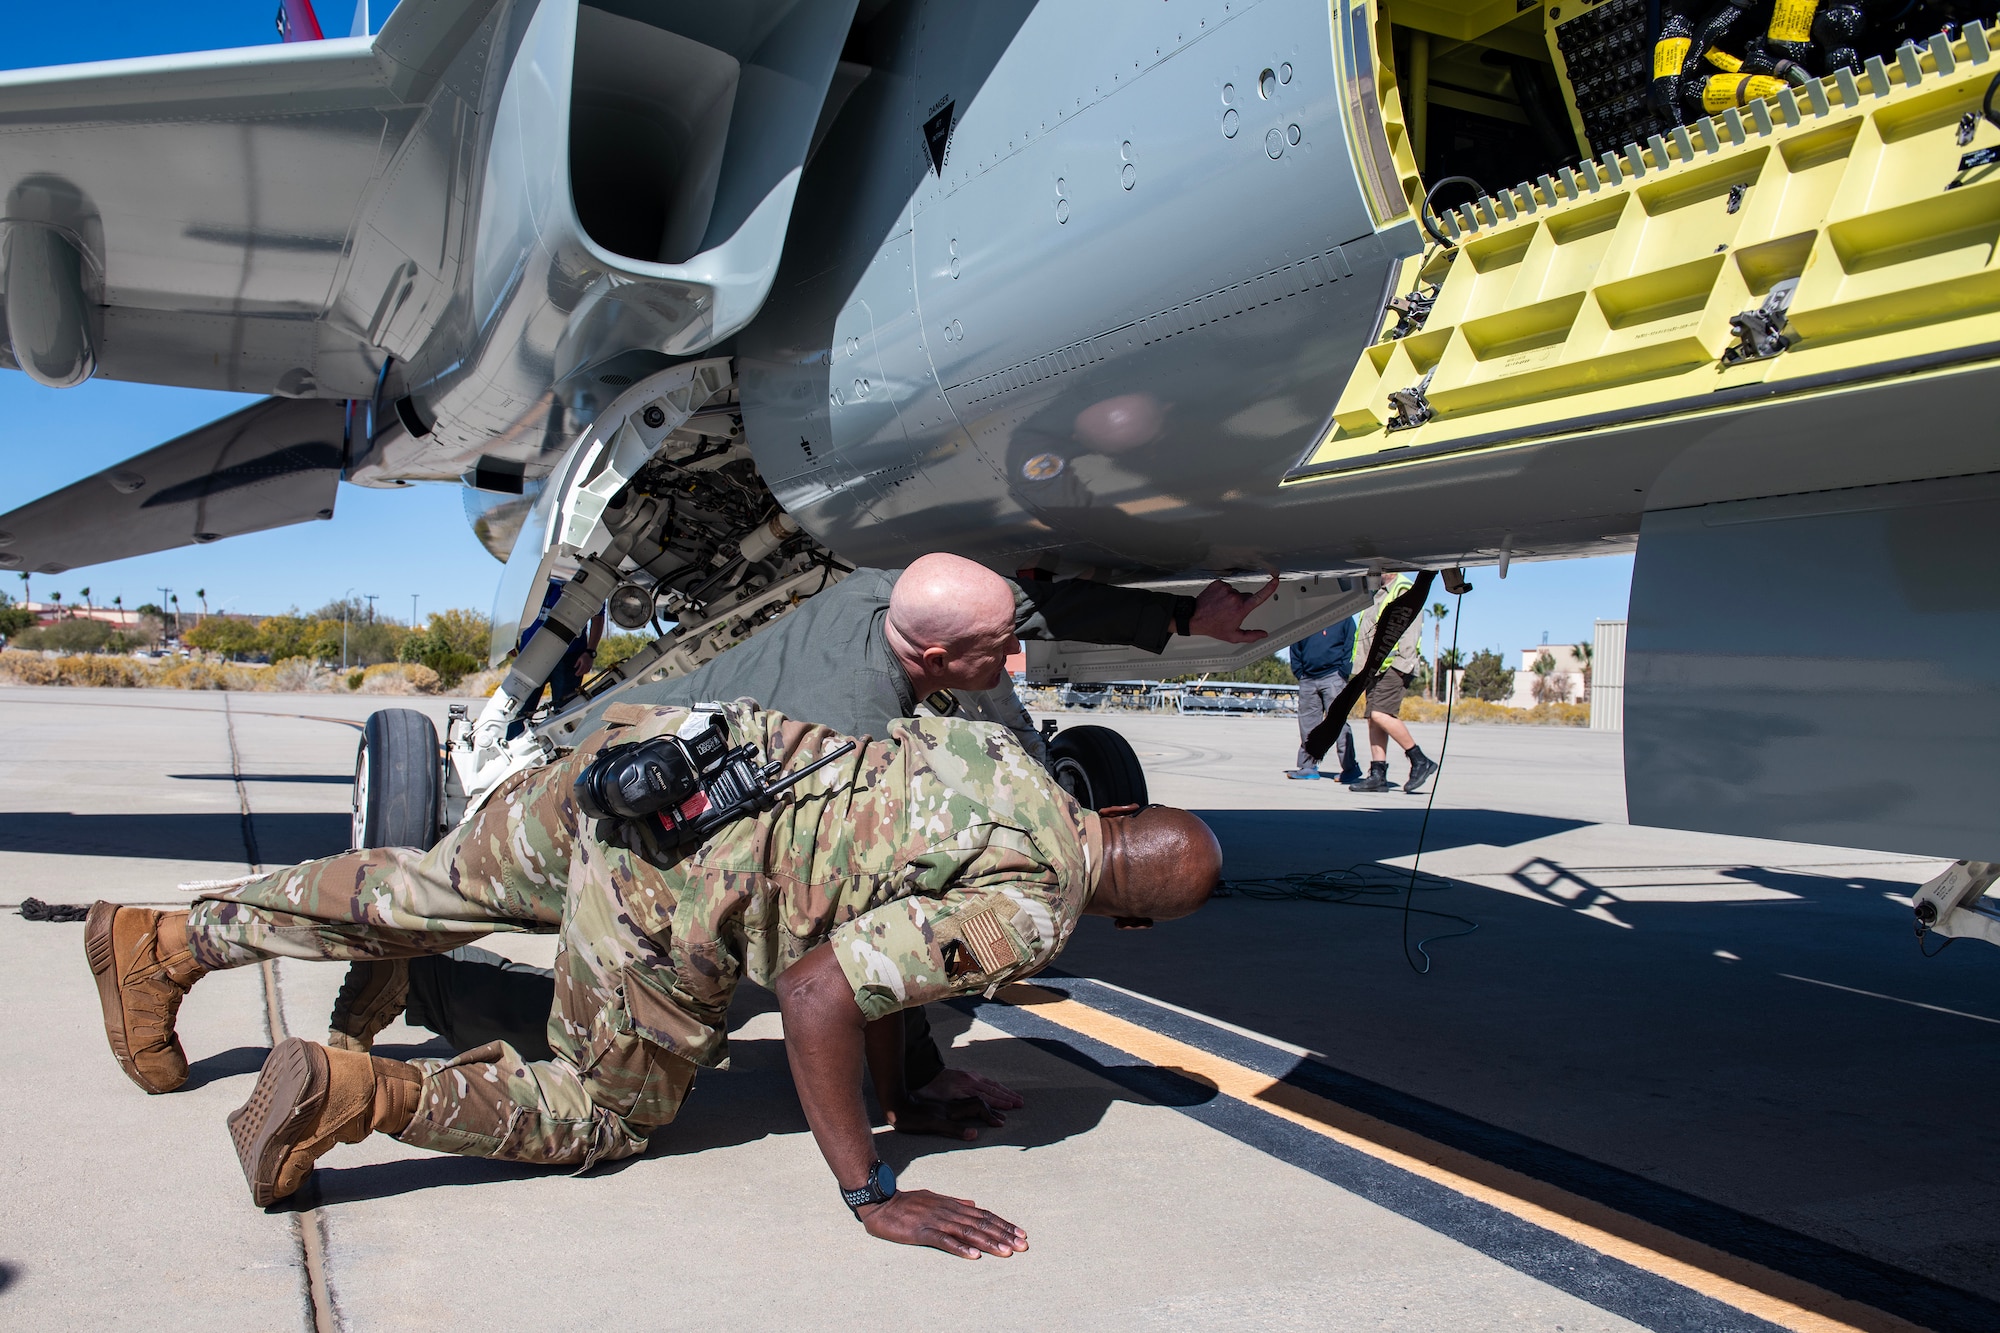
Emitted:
<point x="34" y="909"/>
<point x="1370" y="879"/>
<point x="1423" y="830"/>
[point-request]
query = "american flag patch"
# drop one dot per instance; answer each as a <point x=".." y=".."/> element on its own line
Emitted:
<point x="991" y="945"/>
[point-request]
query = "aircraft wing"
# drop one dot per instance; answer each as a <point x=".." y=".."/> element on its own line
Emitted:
<point x="273" y="463"/>
<point x="223" y="210"/>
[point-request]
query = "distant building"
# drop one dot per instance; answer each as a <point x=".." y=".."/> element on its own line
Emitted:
<point x="48" y="613"/>
<point x="1565" y="682"/>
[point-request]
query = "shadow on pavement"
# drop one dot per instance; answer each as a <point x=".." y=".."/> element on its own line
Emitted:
<point x="1647" y="1017"/>
<point x="328" y="779"/>
<point x="385" y="1180"/>
<point x="225" y="1064"/>
<point x="282" y="839"/>
<point x="1274" y="842"/>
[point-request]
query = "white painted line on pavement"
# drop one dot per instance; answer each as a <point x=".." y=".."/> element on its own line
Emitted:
<point x="1893" y="999"/>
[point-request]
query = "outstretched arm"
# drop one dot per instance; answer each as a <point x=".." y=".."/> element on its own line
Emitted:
<point x="1089" y="612"/>
<point x="826" y="1038"/>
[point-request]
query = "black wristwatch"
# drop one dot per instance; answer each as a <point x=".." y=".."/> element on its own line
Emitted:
<point x="1184" y="615"/>
<point x="881" y="1188"/>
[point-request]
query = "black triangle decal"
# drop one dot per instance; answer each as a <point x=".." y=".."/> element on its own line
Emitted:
<point x="937" y="136"/>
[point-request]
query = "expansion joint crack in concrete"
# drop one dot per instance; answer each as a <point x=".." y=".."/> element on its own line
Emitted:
<point x="308" y="1225"/>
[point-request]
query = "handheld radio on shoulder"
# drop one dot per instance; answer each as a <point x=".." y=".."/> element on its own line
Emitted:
<point x="690" y="785"/>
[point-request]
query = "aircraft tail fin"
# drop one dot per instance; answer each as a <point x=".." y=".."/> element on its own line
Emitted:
<point x="272" y="464"/>
<point x="297" y="22"/>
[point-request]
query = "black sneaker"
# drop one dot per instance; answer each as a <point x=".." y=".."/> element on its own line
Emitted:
<point x="1377" y="780"/>
<point x="1421" y="768"/>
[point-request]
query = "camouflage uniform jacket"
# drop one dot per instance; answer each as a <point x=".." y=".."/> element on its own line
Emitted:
<point x="938" y="863"/>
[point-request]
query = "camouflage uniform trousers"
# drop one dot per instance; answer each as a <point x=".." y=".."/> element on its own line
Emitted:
<point x="518" y="865"/>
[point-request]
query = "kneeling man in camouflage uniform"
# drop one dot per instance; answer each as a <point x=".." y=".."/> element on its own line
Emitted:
<point x="938" y="863"/>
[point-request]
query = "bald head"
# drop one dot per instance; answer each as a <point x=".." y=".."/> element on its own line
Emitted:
<point x="1159" y="864"/>
<point x="951" y="623"/>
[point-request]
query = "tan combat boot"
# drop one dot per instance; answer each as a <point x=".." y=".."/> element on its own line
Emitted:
<point x="143" y="968"/>
<point x="371" y="998"/>
<point x="309" y="1098"/>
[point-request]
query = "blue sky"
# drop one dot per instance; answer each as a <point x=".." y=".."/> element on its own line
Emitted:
<point x="395" y="543"/>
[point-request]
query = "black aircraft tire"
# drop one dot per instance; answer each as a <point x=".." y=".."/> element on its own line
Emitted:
<point x="1096" y="766"/>
<point x="398" y="781"/>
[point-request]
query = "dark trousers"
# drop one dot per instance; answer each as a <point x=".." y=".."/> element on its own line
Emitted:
<point x="1315" y="696"/>
<point x="471" y="996"/>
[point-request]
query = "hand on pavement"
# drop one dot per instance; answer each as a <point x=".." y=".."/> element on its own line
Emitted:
<point x="951" y="1084"/>
<point x="956" y="1226"/>
<point x="1220" y="609"/>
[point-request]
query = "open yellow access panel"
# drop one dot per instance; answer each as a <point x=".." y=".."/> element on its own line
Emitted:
<point x="1840" y="229"/>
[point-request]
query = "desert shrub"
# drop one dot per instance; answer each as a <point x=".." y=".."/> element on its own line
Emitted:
<point x="73" y="636"/>
<point x="480" y="684"/>
<point x="1481" y="710"/>
<point x="297" y="674"/>
<point x="113" y="672"/>
<point x="212" y="676"/>
<point x="400" y="678"/>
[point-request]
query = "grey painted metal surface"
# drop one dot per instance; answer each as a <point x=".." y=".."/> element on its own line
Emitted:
<point x="1821" y="666"/>
<point x="398" y="217"/>
<point x="1607" y="676"/>
<point x="1097" y="328"/>
<point x="271" y="464"/>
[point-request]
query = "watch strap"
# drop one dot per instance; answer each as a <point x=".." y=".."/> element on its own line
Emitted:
<point x="880" y="1187"/>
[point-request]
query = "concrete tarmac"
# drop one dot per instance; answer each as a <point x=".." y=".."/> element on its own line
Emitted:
<point x="1671" y="1081"/>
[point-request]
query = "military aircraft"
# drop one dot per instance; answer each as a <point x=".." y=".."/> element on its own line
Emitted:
<point x="703" y="304"/>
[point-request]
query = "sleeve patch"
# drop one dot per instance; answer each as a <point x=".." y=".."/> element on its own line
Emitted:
<point x="990" y="944"/>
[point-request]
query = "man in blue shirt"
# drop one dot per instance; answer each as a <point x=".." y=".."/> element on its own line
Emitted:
<point x="1321" y="662"/>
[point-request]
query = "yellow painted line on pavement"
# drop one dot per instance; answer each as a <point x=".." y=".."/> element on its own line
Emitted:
<point x="1770" y="1295"/>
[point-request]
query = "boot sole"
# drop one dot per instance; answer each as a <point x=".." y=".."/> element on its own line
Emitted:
<point x="289" y="1093"/>
<point x="103" y="959"/>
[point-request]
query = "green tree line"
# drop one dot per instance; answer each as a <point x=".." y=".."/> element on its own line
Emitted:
<point x="451" y="643"/>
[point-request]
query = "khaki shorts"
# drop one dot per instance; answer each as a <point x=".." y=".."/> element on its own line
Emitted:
<point x="1386" y="694"/>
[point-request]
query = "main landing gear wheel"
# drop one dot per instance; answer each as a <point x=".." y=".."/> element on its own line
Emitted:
<point x="1096" y="766"/>
<point x="398" y="781"/>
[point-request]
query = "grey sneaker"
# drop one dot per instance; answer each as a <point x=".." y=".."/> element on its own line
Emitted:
<point x="1302" y="774"/>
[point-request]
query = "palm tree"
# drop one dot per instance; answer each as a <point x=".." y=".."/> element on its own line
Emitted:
<point x="1584" y="652"/>
<point x="27" y="589"/>
<point x="203" y="594"/>
<point x="1542" y="667"/>
<point x="56" y="597"/>
<point x="85" y="594"/>
<point x="1438" y="612"/>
